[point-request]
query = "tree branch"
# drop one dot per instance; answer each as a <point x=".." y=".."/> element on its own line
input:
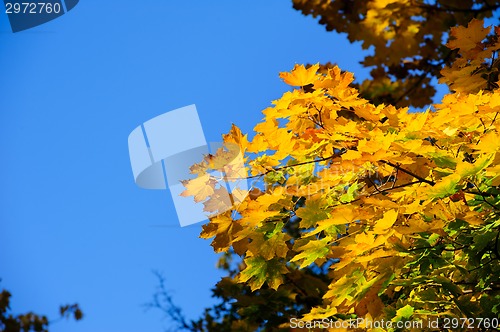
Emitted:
<point x="421" y="179"/>
<point x="457" y="10"/>
<point x="298" y="164"/>
<point x="483" y="196"/>
<point x="163" y="301"/>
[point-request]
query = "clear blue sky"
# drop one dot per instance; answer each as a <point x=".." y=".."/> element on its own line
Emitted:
<point x="73" y="225"/>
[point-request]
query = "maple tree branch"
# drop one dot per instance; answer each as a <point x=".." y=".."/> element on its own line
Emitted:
<point x="497" y="253"/>
<point x="484" y="126"/>
<point x="469" y="291"/>
<point x="163" y="301"/>
<point x="389" y="189"/>
<point x="482" y="265"/>
<point x="344" y="237"/>
<point x="320" y="122"/>
<point x="483" y="196"/>
<point x="494" y="119"/>
<point x="398" y="167"/>
<point x="298" y="164"/>
<point x="433" y="247"/>
<point x="412" y="88"/>
<point x="373" y="184"/>
<point x="299" y="289"/>
<point x="395" y="178"/>
<point x="449" y="53"/>
<point x="321" y="118"/>
<point x="492" y="60"/>
<point x="472" y="192"/>
<point x="487" y="3"/>
<point x="447" y="8"/>
<point x="311" y="118"/>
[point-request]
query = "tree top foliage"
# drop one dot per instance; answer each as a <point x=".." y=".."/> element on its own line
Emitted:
<point x="406" y="38"/>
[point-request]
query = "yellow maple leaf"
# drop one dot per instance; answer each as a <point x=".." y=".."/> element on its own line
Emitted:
<point x="235" y="136"/>
<point x="258" y="144"/>
<point x="417" y="123"/>
<point x="412" y="226"/>
<point x="382" y="225"/>
<point x="490" y="143"/>
<point x="320" y="313"/>
<point x="380" y="202"/>
<point x="300" y="76"/>
<point x="379" y="253"/>
<point x="342" y="215"/>
<point x="221" y="200"/>
<point x="220" y="227"/>
<point x="200" y="187"/>
<point x="254" y="217"/>
<point x="351" y="155"/>
<point x="268" y="199"/>
<point x="474" y="218"/>
<point x="465" y="169"/>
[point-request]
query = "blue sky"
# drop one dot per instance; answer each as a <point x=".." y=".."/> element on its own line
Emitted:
<point x="73" y="225"/>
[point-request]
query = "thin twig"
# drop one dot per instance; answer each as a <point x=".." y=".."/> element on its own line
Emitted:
<point x="163" y="301"/>
<point x="298" y="164"/>
<point x="483" y="196"/>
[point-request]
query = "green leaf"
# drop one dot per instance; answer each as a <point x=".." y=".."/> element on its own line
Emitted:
<point x="446" y="187"/>
<point x="465" y="169"/>
<point x="350" y="194"/>
<point x="312" y="212"/>
<point x="481" y="241"/>
<point x="403" y="313"/>
<point x="313" y="250"/>
<point x="270" y="244"/>
<point x="275" y="177"/>
<point x="386" y="283"/>
<point x="258" y="271"/>
<point x="444" y="161"/>
<point x="433" y="239"/>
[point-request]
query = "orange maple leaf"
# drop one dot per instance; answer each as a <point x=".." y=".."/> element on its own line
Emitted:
<point x="468" y="38"/>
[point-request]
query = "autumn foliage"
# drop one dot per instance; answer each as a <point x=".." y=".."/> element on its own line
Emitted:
<point x="360" y="209"/>
<point x="406" y="39"/>
<point x="30" y="321"/>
